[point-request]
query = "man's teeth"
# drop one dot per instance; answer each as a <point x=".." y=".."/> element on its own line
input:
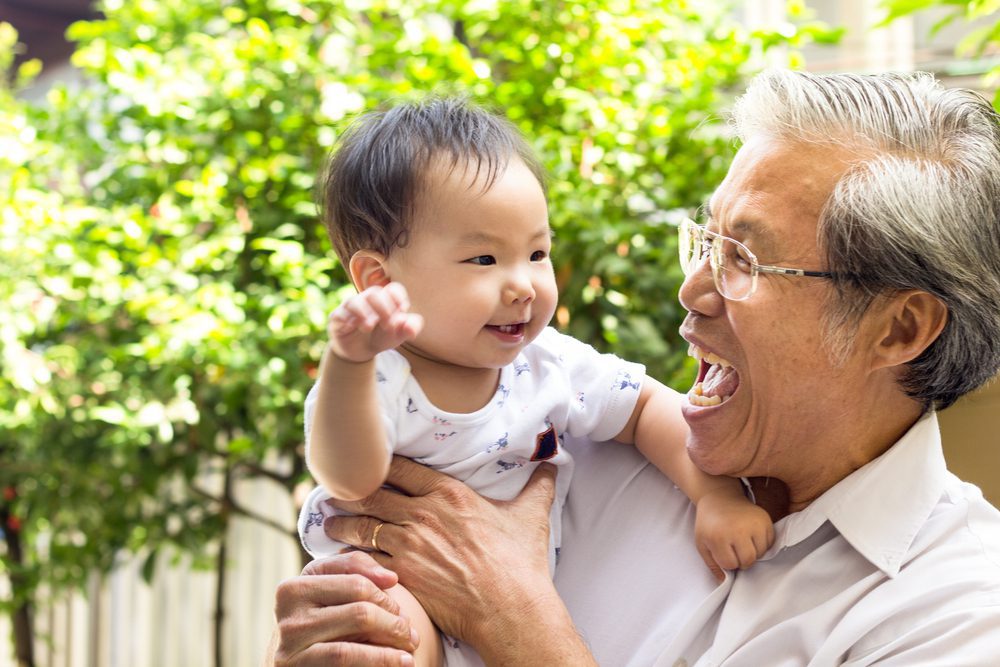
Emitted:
<point x="711" y="357"/>
<point x="696" y="395"/>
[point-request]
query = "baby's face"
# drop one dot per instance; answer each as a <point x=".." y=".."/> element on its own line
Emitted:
<point x="477" y="266"/>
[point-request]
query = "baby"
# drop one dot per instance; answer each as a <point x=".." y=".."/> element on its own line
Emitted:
<point x="438" y="211"/>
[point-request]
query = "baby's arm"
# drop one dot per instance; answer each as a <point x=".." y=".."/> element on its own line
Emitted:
<point x="430" y="649"/>
<point x="730" y="531"/>
<point x="347" y="452"/>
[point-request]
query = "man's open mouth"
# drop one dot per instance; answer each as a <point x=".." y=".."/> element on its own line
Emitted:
<point x="717" y="379"/>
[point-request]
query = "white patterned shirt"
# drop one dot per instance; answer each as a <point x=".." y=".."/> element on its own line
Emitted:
<point x="556" y="386"/>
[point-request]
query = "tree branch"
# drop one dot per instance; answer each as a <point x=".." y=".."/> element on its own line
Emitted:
<point x="242" y="510"/>
<point x="284" y="480"/>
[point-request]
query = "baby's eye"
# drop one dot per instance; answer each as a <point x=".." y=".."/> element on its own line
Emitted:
<point x="538" y="255"/>
<point x="483" y="260"/>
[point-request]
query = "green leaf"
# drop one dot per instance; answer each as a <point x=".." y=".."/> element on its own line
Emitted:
<point x="148" y="569"/>
<point x="899" y="8"/>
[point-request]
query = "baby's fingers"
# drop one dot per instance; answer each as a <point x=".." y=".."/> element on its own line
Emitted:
<point x="763" y="539"/>
<point x="386" y="302"/>
<point x="356" y="313"/>
<point x="746" y="553"/>
<point x="709" y="558"/>
<point x="397" y="293"/>
<point x="406" y="326"/>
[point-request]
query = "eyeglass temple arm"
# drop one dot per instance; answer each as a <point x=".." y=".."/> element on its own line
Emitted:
<point x="781" y="270"/>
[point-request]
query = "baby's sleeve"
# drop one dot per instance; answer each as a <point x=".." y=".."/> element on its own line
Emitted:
<point x="604" y="388"/>
<point x="391" y="371"/>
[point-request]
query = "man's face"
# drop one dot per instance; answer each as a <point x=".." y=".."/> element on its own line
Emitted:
<point x="784" y="392"/>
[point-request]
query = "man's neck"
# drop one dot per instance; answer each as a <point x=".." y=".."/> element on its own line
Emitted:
<point x="857" y="441"/>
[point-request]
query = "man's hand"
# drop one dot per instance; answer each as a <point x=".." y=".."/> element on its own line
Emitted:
<point x="479" y="567"/>
<point x="337" y="613"/>
<point x="375" y="320"/>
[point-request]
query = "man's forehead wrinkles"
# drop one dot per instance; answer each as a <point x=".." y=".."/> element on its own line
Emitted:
<point x="737" y="223"/>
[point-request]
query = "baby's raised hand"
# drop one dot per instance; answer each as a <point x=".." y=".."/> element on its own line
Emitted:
<point x="375" y="320"/>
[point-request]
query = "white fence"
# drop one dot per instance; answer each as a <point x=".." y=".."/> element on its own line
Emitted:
<point x="122" y="622"/>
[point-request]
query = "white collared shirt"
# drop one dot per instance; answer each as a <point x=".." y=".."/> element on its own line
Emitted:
<point x="898" y="564"/>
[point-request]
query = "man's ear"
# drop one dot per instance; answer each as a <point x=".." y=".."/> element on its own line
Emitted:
<point x="367" y="269"/>
<point x="911" y="321"/>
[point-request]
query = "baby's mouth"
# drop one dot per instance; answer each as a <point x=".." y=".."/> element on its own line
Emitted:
<point x="509" y="329"/>
<point x="717" y="379"/>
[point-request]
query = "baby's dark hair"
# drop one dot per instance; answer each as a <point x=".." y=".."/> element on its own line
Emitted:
<point x="373" y="177"/>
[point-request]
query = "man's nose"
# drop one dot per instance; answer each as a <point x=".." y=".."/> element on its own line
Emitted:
<point x="698" y="292"/>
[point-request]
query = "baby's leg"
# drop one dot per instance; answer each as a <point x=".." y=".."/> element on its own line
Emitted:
<point x="429" y="652"/>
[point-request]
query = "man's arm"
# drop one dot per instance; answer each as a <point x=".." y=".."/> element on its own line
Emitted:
<point x="479" y="567"/>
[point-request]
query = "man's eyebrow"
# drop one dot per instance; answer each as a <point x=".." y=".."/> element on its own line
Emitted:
<point x="758" y="237"/>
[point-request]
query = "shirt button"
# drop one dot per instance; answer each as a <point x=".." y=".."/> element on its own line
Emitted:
<point x="681" y="662"/>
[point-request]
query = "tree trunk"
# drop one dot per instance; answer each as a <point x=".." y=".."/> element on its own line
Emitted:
<point x="24" y="640"/>
<point x="220" y="565"/>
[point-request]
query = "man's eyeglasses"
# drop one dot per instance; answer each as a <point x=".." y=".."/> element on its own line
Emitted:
<point x="734" y="267"/>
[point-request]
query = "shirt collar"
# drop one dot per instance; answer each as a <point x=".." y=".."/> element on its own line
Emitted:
<point x="880" y="507"/>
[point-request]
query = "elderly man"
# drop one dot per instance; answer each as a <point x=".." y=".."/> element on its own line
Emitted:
<point x="844" y="285"/>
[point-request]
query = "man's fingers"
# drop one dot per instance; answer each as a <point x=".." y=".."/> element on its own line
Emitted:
<point x="383" y="505"/>
<point x="324" y="591"/>
<point x="414" y="479"/>
<point x="356" y="623"/>
<point x="362" y="622"/>
<point x="350" y="655"/>
<point x="355" y="562"/>
<point x="359" y="531"/>
<point x="541" y="487"/>
<point x="356" y="655"/>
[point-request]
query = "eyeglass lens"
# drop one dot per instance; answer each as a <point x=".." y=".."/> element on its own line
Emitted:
<point x="732" y="267"/>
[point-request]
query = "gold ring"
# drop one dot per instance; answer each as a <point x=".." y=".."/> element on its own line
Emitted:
<point x="375" y="536"/>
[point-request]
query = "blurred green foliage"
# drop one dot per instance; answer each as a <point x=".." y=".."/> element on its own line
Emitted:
<point x="164" y="281"/>
<point x="982" y="41"/>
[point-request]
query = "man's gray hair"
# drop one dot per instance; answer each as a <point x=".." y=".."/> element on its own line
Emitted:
<point x="918" y="209"/>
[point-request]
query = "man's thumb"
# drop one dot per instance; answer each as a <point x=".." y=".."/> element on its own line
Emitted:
<point x="541" y="487"/>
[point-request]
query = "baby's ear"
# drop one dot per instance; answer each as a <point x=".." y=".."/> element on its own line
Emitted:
<point x="368" y="269"/>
